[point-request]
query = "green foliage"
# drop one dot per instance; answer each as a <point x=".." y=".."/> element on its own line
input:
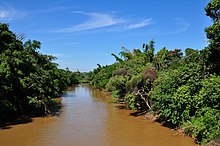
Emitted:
<point x="175" y="92"/>
<point x="149" y="51"/>
<point x="116" y="85"/>
<point x="117" y="58"/>
<point x="33" y="101"/>
<point x="161" y="59"/>
<point x="28" y="79"/>
<point x="205" y="126"/>
<point x="82" y="77"/>
<point x="181" y="89"/>
<point x="128" y="75"/>
<point x="185" y="96"/>
<point x="212" y="10"/>
<point x="138" y="88"/>
<point x="191" y="55"/>
<point x="120" y="72"/>
<point x="100" y="77"/>
<point x="131" y="100"/>
<point x="135" y="83"/>
<point x="164" y="59"/>
<point x="209" y="94"/>
<point x="213" y="34"/>
<point x="126" y="54"/>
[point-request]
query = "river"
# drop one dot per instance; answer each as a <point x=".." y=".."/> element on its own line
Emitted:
<point x="88" y="117"/>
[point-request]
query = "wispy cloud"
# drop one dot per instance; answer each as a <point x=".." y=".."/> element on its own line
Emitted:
<point x="3" y="14"/>
<point x="8" y="13"/>
<point x="95" y="21"/>
<point x="182" y="24"/>
<point x="141" y="24"/>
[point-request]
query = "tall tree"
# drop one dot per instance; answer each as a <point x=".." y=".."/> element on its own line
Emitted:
<point x="126" y="54"/>
<point x="213" y="34"/>
<point x="161" y="59"/>
<point x="117" y="58"/>
<point x="29" y="79"/>
<point x="149" y="51"/>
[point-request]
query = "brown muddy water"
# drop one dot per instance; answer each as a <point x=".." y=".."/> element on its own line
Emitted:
<point x="88" y="117"/>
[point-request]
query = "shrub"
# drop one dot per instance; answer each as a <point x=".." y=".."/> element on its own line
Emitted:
<point x="116" y="85"/>
<point x="175" y="93"/>
<point x="205" y="126"/>
<point x="131" y="100"/>
<point x="120" y="72"/>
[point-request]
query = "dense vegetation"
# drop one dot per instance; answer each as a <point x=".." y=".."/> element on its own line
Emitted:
<point x="183" y="90"/>
<point x="29" y="80"/>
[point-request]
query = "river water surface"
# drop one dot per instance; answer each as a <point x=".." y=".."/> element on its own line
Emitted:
<point x="88" y="117"/>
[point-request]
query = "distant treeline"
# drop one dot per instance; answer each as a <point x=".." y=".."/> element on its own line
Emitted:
<point x="29" y="80"/>
<point x="183" y="90"/>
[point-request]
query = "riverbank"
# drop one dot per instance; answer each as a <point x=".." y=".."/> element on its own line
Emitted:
<point x="151" y="116"/>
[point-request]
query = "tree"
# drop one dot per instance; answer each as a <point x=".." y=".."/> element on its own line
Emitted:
<point x="149" y="51"/>
<point x="117" y="58"/>
<point x="29" y="79"/>
<point x="126" y="54"/>
<point x="161" y="59"/>
<point x="213" y="34"/>
<point x="140" y="85"/>
<point x="137" y="53"/>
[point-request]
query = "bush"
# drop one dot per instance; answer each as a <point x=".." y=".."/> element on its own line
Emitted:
<point x="205" y="126"/>
<point x="175" y="93"/>
<point x="116" y="85"/>
<point x="131" y="100"/>
<point x="120" y="72"/>
<point x="209" y="94"/>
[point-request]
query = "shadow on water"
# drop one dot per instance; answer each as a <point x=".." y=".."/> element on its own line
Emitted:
<point x="121" y="107"/>
<point x="55" y="110"/>
<point x="7" y="122"/>
<point x="138" y="113"/>
<point x="135" y="113"/>
<point x="68" y="95"/>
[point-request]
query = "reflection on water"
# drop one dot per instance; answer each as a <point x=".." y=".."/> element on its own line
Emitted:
<point x="89" y="117"/>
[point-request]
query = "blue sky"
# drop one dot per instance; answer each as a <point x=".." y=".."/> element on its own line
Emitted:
<point x="83" y="33"/>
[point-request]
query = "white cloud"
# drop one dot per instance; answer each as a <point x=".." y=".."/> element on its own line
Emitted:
<point x="183" y="23"/>
<point x="144" y="23"/>
<point x="183" y="26"/>
<point x="8" y="13"/>
<point x="95" y="21"/>
<point x="3" y="14"/>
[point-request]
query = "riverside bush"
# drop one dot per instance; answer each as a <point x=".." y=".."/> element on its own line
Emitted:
<point x="204" y="126"/>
